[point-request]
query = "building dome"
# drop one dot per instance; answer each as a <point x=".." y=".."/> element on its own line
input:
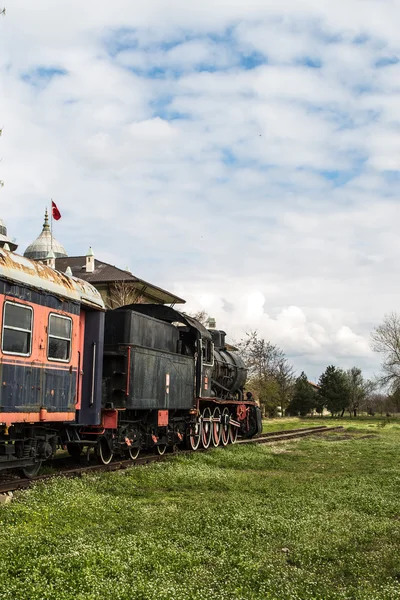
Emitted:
<point x="40" y="248"/>
<point x="4" y="239"/>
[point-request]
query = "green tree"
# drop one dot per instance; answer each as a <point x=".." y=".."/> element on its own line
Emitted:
<point x="304" y="397"/>
<point x="334" y="390"/>
<point x="358" y="389"/>
<point x="270" y="375"/>
<point x="268" y="393"/>
<point x="285" y="379"/>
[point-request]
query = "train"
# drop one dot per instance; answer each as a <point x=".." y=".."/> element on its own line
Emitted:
<point x="140" y="377"/>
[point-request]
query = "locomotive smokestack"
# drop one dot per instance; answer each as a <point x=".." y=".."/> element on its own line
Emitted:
<point x="211" y="323"/>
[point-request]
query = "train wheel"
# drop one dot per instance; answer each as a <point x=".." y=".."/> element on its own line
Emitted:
<point x="206" y="432"/>
<point x="233" y="433"/>
<point x="133" y="452"/>
<point x="161" y="449"/>
<point x="193" y="438"/>
<point x="225" y="427"/>
<point x="32" y="470"/>
<point x="216" y="428"/>
<point x="104" y="451"/>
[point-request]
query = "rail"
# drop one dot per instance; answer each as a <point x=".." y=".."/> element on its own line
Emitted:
<point x="12" y="485"/>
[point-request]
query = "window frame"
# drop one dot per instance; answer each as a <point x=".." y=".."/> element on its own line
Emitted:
<point x="4" y="326"/>
<point x="57" y="337"/>
<point x="204" y="343"/>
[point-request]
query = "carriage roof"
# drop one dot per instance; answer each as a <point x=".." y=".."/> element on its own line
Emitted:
<point x="16" y="268"/>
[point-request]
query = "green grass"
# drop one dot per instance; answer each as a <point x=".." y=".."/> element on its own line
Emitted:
<point x="280" y="424"/>
<point x="314" y="519"/>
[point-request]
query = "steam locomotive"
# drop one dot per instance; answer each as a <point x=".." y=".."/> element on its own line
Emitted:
<point x="138" y="377"/>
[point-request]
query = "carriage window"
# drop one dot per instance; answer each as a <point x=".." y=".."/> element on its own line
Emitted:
<point x="17" y="329"/>
<point x="207" y="352"/>
<point x="59" y="338"/>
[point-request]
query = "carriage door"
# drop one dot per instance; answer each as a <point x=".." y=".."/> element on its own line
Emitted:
<point x="91" y="360"/>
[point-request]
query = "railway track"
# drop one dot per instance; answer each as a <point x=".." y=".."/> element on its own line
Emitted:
<point x="16" y="483"/>
<point x="274" y="436"/>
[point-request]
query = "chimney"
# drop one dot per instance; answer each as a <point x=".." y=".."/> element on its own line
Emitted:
<point x="50" y="259"/>
<point x="90" y="261"/>
<point x="211" y="323"/>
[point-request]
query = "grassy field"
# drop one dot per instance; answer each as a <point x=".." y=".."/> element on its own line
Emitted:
<point x="312" y="519"/>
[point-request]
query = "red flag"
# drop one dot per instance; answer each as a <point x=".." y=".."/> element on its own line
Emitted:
<point x="54" y="211"/>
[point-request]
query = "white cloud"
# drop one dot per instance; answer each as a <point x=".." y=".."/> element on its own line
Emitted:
<point x="243" y="154"/>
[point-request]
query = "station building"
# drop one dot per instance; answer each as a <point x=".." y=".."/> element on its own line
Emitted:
<point x="117" y="286"/>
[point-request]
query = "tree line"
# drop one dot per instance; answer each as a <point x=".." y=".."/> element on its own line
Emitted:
<point x="338" y="390"/>
<point x="272" y="379"/>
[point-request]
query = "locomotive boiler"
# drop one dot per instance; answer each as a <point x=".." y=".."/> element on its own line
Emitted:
<point x="229" y="372"/>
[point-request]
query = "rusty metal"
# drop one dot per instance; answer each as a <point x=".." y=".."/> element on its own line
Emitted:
<point x="14" y="267"/>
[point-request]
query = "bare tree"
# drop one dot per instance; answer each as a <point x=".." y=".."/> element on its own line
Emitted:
<point x="379" y="403"/>
<point x="201" y="316"/>
<point x="122" y="294"/>
<point x="262" y="357"/>
<point x="270" y="374"/>
<point x="386" y="341"/>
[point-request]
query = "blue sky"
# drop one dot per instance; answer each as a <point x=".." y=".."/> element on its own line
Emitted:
<point x="245" y="155"/>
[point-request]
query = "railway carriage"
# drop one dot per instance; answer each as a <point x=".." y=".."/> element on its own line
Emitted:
<point x="51" y="328"/>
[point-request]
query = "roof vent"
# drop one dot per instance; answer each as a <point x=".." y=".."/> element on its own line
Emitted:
<point x="51" y="259"/>
<point x="89" y="261"/>
<point x="4" y="239"/>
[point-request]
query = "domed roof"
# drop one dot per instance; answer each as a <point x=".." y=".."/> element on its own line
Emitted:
<point x="40" y="248"/>
<point x="4" y="239"/>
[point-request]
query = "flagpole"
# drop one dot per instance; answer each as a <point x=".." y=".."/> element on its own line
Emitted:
<point x="51" y="224"/>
